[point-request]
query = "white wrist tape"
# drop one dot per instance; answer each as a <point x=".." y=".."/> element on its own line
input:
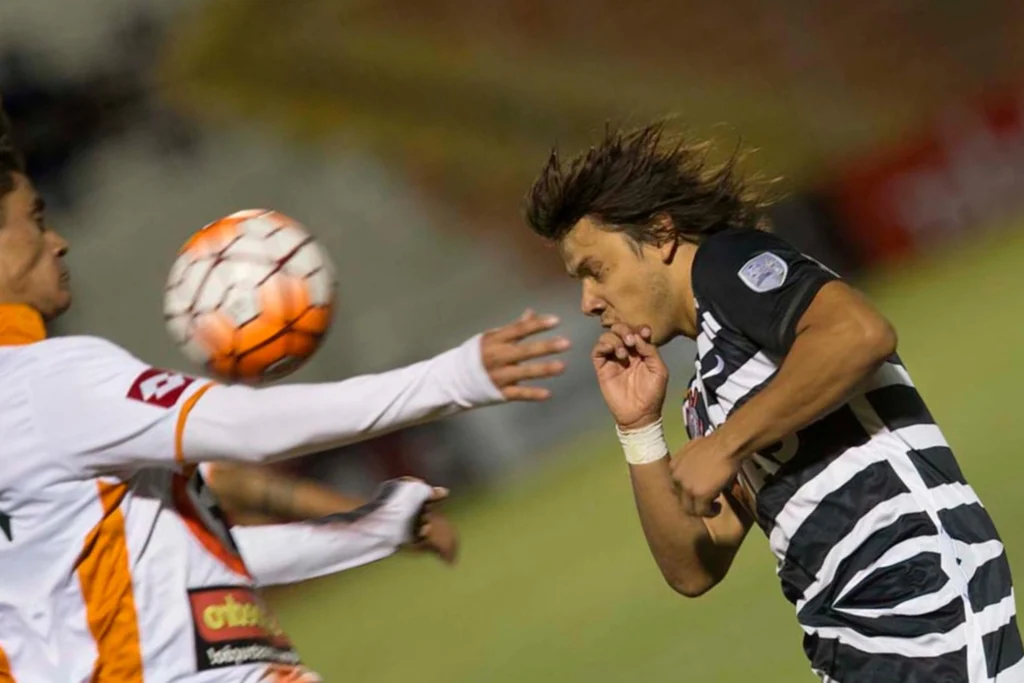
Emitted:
<point x="643" y="445"/>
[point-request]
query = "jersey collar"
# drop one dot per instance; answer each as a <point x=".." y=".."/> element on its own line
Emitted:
<point x="20" y="324"/>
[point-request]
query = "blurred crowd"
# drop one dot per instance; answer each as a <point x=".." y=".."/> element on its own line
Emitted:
<point x="59" y="118"/>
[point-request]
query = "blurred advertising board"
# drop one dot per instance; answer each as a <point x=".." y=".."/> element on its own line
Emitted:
<point x="956" y="175"/>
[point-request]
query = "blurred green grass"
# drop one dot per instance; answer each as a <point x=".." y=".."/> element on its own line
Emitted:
<point x="556" y="584"/>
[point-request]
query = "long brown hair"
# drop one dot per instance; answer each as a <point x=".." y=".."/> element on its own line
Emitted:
<point x="632" y="180"/>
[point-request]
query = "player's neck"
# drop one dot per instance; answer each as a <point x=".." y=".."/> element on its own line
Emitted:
<point x="682" y="283"/>
<point x="20" y="324"/>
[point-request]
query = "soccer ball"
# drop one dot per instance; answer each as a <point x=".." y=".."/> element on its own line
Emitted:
<point x="250" y="297"/>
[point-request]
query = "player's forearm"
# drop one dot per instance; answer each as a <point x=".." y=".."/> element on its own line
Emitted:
<point x="246" y="491"/>
<point x="261" y="425"/>
<point x="818" y="375"/>
<point x="681" y="544"/>
<point x="289" y="553"/>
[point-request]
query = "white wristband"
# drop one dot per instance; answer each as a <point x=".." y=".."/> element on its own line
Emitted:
<point x="643" y="445"/>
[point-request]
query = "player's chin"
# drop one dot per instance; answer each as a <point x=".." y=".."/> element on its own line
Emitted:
<point x="60" y="303"/>
<point x="662" y="338"/>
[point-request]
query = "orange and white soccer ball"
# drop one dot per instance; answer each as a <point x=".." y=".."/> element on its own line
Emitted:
<point x="250" y="296"/>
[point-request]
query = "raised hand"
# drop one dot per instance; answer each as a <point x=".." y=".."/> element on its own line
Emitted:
<point x="507" y="349"/>
<point x="632" y="376"/>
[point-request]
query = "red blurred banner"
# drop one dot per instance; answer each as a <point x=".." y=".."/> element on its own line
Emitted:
<point x="963" y="172"/>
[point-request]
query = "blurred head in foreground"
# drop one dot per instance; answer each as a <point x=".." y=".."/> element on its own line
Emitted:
<point x="627" y="216"/>
<point x="32" y="269"/>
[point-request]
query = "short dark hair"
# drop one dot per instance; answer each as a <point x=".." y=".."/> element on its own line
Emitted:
<point x="10" y="160"/>
<point x="632" y="179"/>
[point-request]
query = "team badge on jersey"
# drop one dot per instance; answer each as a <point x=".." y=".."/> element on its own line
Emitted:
<point x="160" y="388"/>
<point x="695" y="426"/>
<point x="764" y="272"/>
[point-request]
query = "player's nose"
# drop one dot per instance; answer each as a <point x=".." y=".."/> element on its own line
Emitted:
<point x="58" y="244"/>
<point x="590" y="304"/>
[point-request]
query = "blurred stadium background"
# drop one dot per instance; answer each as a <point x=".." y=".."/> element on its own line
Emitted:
<point x="404" y="132"/>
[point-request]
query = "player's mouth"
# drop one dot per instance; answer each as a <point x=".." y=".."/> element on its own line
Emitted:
<point x="65" y="277"/>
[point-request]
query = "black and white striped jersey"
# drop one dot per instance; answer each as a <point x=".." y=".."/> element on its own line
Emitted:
<point x="894" y="566"/>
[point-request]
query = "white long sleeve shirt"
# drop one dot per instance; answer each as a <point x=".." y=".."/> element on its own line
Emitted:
<point x="115" y="563"/>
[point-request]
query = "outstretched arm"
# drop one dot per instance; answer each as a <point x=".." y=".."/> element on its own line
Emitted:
<point x="257" y="496"/>
<point x="262" y="425"/>
<point x="130" y="415"/>
<point x="289" y="553"/>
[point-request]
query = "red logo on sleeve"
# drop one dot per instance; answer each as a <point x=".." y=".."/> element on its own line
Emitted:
<point x="159" y="387"/>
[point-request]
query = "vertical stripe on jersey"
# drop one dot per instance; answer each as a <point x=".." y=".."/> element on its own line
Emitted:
<point x="5" y="668"/>
<point x="106" y="580"/>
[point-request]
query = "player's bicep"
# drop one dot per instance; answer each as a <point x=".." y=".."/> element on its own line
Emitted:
<point x="843" y="312"/>
<point x="101" y="409"/>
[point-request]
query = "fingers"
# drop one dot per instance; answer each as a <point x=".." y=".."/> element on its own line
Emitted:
<point x="610" y="345"/>
<point x="638" y="339"/>
<point x="504" y="355"/>
<point x="449" y="550"/>
<point x="513" y="374"/>
<point x="440" y="493"/>
<point x="621" y="339"/>
<point x="439" y="537"/>
<point x="700" y="506"/>
<point x="643" y="344"/>
<point x="527" y="325"/>
<point x="628" y="335"/>
<point x="536" y="349"/>
<point x="524" y="393"/>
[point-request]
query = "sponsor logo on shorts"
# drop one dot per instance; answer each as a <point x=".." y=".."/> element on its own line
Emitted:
<point x="159" y="387"/>
<point x="233" y="626"/>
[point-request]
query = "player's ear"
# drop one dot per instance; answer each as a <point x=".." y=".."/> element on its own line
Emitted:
<point x="667" y="250"/>
<point x="665" y="230"/>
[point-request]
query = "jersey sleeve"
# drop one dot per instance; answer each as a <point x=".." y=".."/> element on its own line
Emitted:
<point x="100" y="409"/>
<point x="757" y="284"/>
<point x="335" y="543"/>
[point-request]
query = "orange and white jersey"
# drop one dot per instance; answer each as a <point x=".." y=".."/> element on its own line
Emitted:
<point x="112" y="567"/>
<point x="116" y="565"/>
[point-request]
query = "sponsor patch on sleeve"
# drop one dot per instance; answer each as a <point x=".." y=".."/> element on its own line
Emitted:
<point x="764" y="272"/>
<point x="234" y="627"/>
<point x="160" y="388"/>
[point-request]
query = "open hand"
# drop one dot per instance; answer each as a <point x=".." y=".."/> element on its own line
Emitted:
<point x="505" y="351"/>
<point x="632" y="376"/>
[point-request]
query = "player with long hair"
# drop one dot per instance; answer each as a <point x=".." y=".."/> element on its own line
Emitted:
<point x="802" y="418"/>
